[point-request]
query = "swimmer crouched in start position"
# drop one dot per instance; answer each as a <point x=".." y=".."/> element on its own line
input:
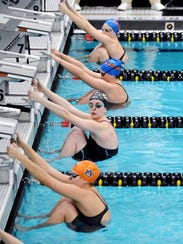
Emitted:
<point x="107" y="80"/>
<point x="102" y="143"/>
<point x="109" y="46"/>
<point x="82" y="208"/>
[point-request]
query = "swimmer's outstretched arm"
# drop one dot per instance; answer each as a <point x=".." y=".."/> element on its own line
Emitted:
<point x="59" y="106"/>
<point x="57" y="100"/>
<point x="67" y="58"/>
<point x="9" y="239"/>
<point x="38" y="160"/>
<point x="83" y="23"/>
<point x="66" y="61"/>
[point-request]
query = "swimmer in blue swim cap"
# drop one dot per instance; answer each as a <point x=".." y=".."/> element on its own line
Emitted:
<point x="107" y="80"/>
<point x="109" y="46"/>
<point x="112" y="67"/>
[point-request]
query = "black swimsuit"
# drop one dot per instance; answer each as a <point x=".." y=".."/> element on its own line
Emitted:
<point x="92" y="151"/>
<point x="84" y="223"/>
<point x="119" y="105"/>
<point x="123" y="55"/>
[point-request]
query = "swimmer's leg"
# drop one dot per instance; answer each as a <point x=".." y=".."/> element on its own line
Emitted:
<point x="49" y="152"/>
<point x="53" y="159"/>
<point x="33" y="217"/>
<point x="65" y="212"/>
<point x="75" y="141"/>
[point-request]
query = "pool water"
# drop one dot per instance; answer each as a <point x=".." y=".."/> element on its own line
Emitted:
<point x="139" y="214"/>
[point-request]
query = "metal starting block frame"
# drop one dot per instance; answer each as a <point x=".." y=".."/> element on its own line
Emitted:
<point x="31" y="27"/>
<point x="7" y="127"/>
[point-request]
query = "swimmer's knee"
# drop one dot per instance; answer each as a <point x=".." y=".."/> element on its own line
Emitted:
<point x="77" y="131"/>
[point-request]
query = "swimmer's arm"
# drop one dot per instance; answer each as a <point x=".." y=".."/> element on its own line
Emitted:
<point x="79" y="118"/>
<point x="57" y="100"/>
<point x="95" y="81"/>
<point x="56" y="55"/>
<point x="9" y="239"/>
<point x="35" y="170"/>
<point x="69" y="113"/>
<point x="84" y="24"/>
<point x="74" y="68"/>
<point x="42" y="176"/>
<point x="41" y="162"/>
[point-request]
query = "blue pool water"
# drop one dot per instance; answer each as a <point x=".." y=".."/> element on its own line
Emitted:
<point x="141" y="215"/>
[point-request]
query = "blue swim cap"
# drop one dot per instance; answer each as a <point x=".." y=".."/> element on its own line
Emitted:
<point x="113" y="23"/>
<point x="112" y="67"/>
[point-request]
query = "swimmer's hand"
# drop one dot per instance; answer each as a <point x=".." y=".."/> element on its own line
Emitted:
<point x="13" y="150"/>
<point x="63" y="7"/>
<point x="34" y="96"/>
<point x="21" y="228"/>
<point x="37" y="85"/>
<point x="55" y="51"/>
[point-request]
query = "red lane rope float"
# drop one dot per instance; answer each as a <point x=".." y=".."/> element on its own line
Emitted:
<point x="138" y="179"/>
<point x="88" y="37"/>
<point x="75" y="77"/>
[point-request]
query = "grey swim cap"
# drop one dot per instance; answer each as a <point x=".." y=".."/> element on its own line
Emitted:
<point x="98" y="95"/>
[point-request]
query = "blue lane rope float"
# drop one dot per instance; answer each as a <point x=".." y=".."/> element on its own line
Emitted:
<point x="138" y="179"/>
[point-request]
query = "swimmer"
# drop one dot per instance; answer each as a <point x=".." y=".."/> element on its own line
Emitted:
<point x="106" y="81"/>
<point x="109" y="46"/>
<point x="81" y="208"/>
<point x="102" y="142"/>
<point x="8" y="238"/>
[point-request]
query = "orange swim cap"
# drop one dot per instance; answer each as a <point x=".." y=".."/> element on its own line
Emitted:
<point x="87" y="170"/>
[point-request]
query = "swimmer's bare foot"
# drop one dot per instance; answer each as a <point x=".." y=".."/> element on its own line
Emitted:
<point x="21" y="228"/>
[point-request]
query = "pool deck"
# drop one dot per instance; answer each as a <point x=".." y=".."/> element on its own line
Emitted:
<point x="16" y="113"/>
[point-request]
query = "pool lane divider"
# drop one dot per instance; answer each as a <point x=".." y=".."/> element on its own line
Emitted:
<point x="138" y="179"/>
<point x="124" y="179"/>
<point x="146" y="122"/>
<point x="149" y="75"/>
<point x="145" y="36"/>
<point x="131" y="122"/>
